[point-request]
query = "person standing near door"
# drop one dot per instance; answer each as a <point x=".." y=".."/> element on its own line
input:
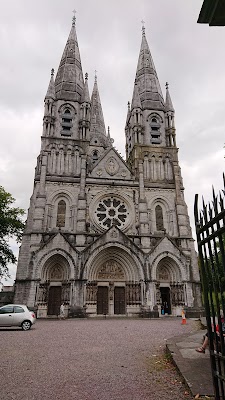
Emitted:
<point x="62" y="311"/>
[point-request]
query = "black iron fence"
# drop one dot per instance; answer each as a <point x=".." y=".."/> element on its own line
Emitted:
<point x="210" y="230"/>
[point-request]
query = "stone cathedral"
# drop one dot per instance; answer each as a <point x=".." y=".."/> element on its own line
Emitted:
<point x="103" y="235"/>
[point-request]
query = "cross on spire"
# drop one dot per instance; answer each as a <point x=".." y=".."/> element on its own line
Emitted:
<point x="96" y="76"/>
<point x="167" y="85"/>
<point x="74" y="18"/>
<point x="143" y="27"/>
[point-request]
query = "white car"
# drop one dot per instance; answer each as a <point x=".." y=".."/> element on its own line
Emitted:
<point x="17" y="315"/>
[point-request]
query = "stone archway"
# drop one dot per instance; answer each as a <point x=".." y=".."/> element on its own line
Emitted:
<point x="54" y="288"/>
<point x="113" y="283"/>
<point x="169" y="286"/>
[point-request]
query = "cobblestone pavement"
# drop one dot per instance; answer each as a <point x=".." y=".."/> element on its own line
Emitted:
<point x="108" y="359"/>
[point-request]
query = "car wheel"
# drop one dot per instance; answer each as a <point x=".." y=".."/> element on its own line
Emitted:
<point x="26" y="325"/>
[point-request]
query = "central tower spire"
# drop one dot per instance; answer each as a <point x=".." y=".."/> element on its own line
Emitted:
<point x="69" y="82"/>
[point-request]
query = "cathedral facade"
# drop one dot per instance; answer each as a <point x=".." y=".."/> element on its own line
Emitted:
<point x="103" y="235"/>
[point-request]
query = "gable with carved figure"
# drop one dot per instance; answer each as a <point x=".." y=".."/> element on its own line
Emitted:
<point x="111" y="165"/>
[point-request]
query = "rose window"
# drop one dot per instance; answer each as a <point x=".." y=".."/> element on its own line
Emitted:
<point x="111" y="211"/>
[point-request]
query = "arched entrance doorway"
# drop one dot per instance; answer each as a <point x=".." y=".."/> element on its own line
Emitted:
<point x="54" y="288"/>
<point x="111" y="272"/>
<point x="169" y="287"/>
<point x="114" y="284"/>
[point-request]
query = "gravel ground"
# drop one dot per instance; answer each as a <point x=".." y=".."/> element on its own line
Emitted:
<point x="109" y="359"/>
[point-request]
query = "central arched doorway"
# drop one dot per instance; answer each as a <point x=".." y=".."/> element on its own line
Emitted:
<point x="114" y="284"/>
<point x="111" y="288"/>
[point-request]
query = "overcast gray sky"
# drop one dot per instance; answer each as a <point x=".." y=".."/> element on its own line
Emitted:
<point x="188" y="55"/>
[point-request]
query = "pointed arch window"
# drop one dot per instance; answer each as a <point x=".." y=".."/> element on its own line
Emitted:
<point x="159" y="218"/>
<point x="155" y="130"/>
<point x="67" y="124"/>
<point x="61" y="214"/>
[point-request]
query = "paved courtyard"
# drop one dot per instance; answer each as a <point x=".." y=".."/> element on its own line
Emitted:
<point x="107" y="359"/>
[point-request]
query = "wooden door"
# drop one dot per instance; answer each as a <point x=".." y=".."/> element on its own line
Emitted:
<point x="54" y="300"/>
<point x="102" y="300"/>
<point x="119" y="300"/>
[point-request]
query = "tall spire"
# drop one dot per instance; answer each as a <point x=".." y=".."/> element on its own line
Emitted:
<point x="69" y="82"/>
<point x="147" y="79"/>
<point x="97" y="119"/>
<point x="168" y="102"/>
<point x="51" y="87"/>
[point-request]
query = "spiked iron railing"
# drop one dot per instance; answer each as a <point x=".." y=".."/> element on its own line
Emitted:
<point x="210" y="231"/>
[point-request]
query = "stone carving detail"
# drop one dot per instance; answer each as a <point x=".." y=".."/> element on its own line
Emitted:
<point x="99" y="172"/>
<point x="43" y="293"/>
<point x="112" y="166"/>
<point x="163" y="274"/>
<point x="177" y="294"/>
<point x="66" y="292"/>
<point x="158" y="168"/>
<point x="158" y="294"/>
<point x="111" y="291"/>
<point x="133" y="293"/>
<point x="91" y="292"/>
<point x="56" y="273"/>
<point x="111" y="211"/>
<point x="114" y="234"/>
<point x="111" y="270"/>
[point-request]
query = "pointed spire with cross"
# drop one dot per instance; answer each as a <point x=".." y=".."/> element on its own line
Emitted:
<point x="96" y="76"/>
<point x="74" y="18"/>
<point x="143" y="28"/>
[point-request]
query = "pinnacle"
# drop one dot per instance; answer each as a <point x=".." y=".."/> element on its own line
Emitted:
<point x="168" y="102"/>
<point x="97" y="119"/>
<point x="86" y="96"/>
<point x="51" y="87"/>
<point x="136" y="102"/>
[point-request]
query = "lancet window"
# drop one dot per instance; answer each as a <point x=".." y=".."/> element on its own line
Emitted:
<point x="159" y="218"/>
<point x="66" y="122"/>
<point x="61" y="214"/>
<point x="155" y="130"/>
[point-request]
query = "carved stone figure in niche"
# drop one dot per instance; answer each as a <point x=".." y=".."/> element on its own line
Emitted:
<point x="43" y="293"/>
<point x="177" y="294"/>
<point x="111" y="292"/>
<point x="66" y="292"/>
<point x="61" y="214"/>
<point x="158" y="296"/>
<point x="111" y="270"/>
<point x="56" y="273"/>
<point x="133" y="293"/>
<point x="91" y="292"/>
<point x="159" y="218"/>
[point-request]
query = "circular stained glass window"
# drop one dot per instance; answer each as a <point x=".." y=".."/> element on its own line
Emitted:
<point x="111" y="211"/>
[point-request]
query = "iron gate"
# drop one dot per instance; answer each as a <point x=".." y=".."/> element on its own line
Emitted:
<point x="210" y="231"/>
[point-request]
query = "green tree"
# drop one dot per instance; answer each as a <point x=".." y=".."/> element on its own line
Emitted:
<point x="11" y="226"/>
